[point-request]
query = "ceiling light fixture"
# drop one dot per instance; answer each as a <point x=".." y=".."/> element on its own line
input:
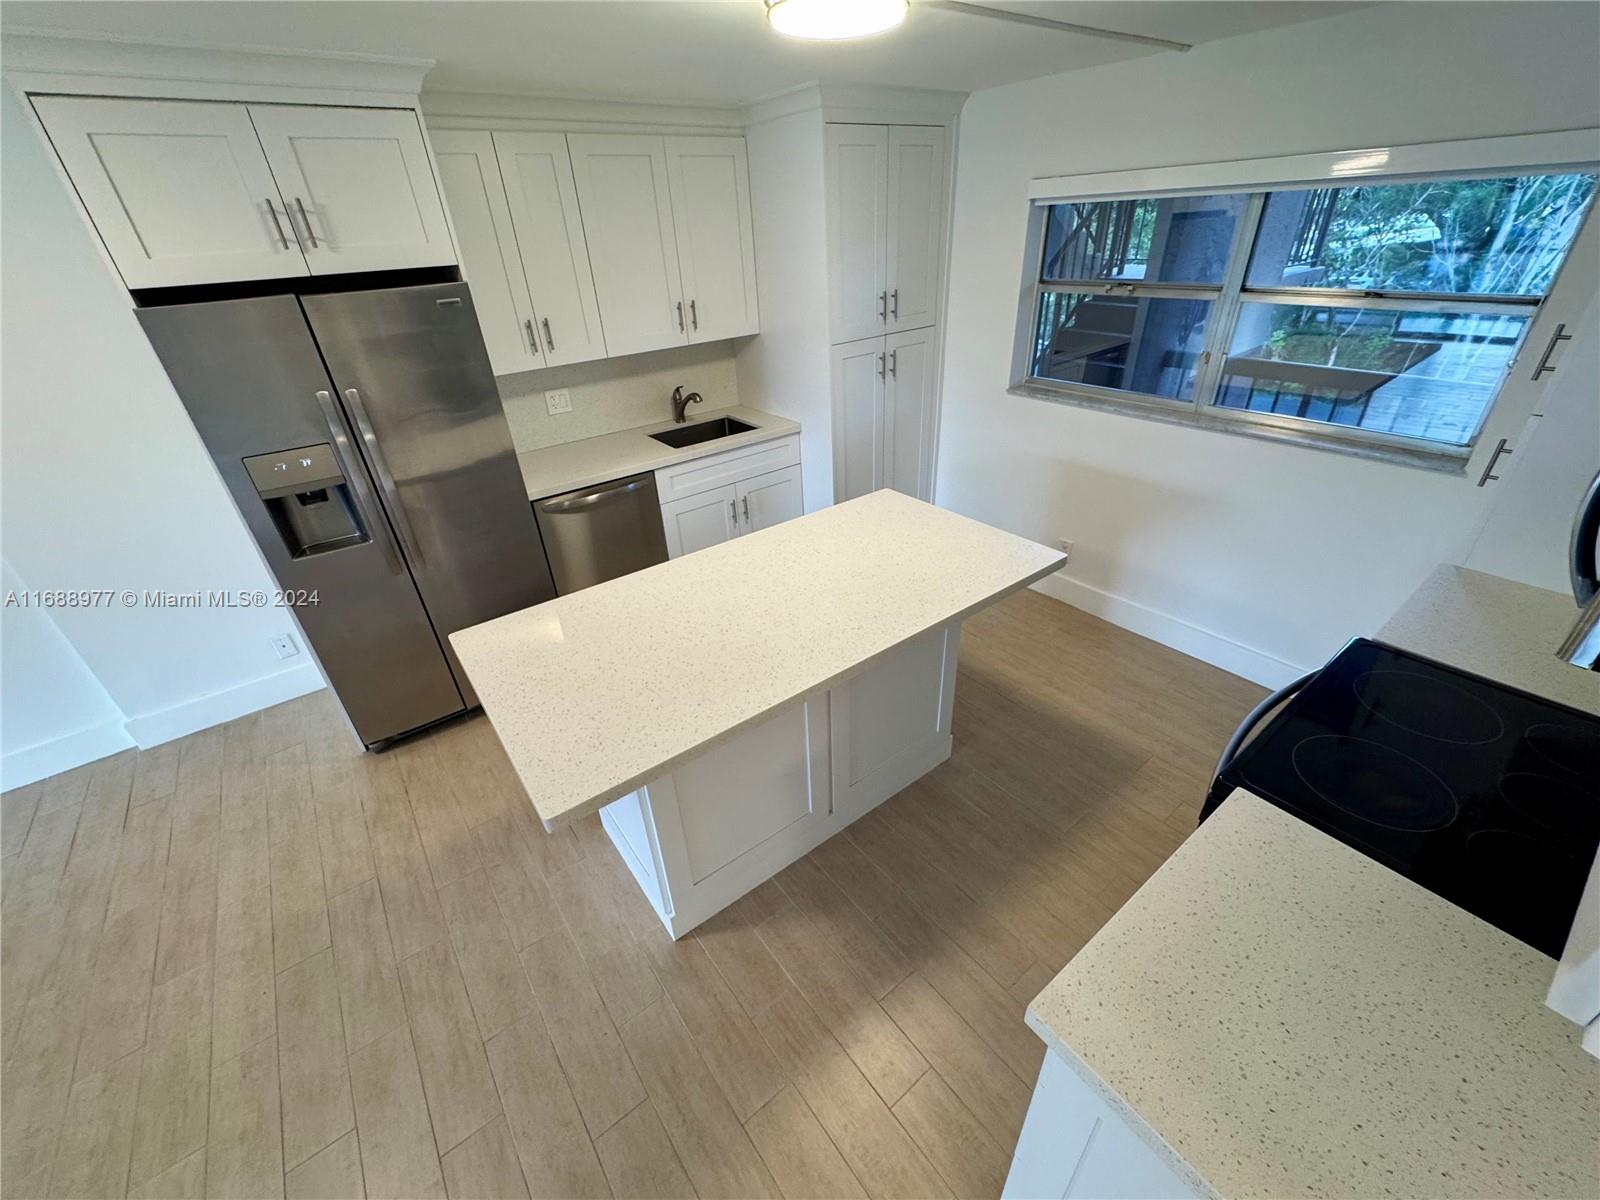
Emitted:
<point x="834" y="20"/>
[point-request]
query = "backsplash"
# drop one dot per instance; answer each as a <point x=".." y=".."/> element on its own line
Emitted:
<point x="616" y="393"/>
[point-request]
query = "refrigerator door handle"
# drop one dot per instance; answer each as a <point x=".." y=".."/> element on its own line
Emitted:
<point x="385" y="479"/>
<point x="366" y="502"/>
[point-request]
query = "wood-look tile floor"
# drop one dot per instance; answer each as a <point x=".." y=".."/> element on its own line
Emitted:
<point x="257" y="963"/>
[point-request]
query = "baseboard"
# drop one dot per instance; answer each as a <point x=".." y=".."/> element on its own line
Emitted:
<point x="151" y="729"/>
<point x="22" y="767"/>
<point x="1254" y="665"/>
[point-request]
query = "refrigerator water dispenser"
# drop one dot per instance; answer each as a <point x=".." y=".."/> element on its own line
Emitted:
<point x="308" y="498"/>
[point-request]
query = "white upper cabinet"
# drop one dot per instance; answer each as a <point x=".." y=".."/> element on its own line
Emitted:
<point x="555" y="255"/>
<point x="187" y="192"/>
<point x="857" y="170"/>
<point x="915" y="235"/>
<point x="710" y="186"/>
<point x="470" y="175"/>
<point x="885" y="213"/>
<point x="179" y="190"/>
<point x="359" y="185"/>
<point x="627" y="217"/>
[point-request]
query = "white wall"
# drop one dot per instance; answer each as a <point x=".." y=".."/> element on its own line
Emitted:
<point x="785" y="370"/>
<point x="612" y="394"/>
<point x="1259" y="556"/>
<point x="105" y="483"/>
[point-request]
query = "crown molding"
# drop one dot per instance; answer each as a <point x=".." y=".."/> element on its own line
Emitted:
<point x="39" y="60"/>
<point x="487" y="110"/>
<point x="860" y="103"/>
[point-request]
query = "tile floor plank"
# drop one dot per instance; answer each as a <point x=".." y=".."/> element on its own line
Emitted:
<point x="244" y="1146"/>
<point x="369" y="983"/>
<point x="484" y="1166"/>
<point x="175" y="1079"/>
<point x="398" y="1156"/>
<point x="639" y="1160"/>
<point x="455" y="1074"/>
<point x="332" y="1173"/>
<point x="799" y="1153"/>
<point x="313" y="1075"/>
<point x="243" y="1010"/>
<point x="97" y="1133"/>
<point x="496" y="984"/>
<point x="299" y="900"/>
<point x="955" y="1141"/>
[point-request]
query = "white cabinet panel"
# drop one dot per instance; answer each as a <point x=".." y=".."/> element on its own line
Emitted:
<point x="627" y="216"/>
<point x="179" y="191"/>
<point x="908" y="412"/>
<point x="700" y="521"/>
<point x="769" y="499"/>
<point x="856" y="168"/>
<point x="470" y="176"/>
<point x="916" y="224"/>
<point x="359" y="185"/>
<point x="710" y="184"/>
<point x="859" y="370"/>
<point x="543" y="199"/>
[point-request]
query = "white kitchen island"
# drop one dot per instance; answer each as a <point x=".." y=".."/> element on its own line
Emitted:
<point x="729" y="710"/>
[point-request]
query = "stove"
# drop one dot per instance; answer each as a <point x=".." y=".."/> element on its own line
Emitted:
<point x="1484" y="795"/>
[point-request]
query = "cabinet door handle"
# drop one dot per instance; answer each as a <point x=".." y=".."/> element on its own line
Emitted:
<point x="733" y="513"/>
<point x="1560" y="335"/>
<point x="680" y="316"/>
<point x="894" y="304"/>
<point x="880" y="366"/>
<point x="533" y="338"/>
<point x="745" y="504"/>
<point x="883" y="306"/>
<point x="306" y="221"/>
<point x="893" y="362"/>
<point x="549" y="341"/>
<point x="277" y="225"/>
<point x="694" y="316"/>
<point x="1488" y="471"/>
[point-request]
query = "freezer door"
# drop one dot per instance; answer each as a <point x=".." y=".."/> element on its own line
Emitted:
<point x="414" y="377"/>
<point x="249" y="374"/>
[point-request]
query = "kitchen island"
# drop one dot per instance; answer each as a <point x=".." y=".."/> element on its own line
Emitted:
<point x="727" y="711"/>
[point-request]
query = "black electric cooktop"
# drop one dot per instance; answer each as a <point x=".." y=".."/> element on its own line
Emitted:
<point x="1484" y="795"/>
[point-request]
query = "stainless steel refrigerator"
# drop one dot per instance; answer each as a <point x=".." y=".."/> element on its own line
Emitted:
<point x="362" y="439"/>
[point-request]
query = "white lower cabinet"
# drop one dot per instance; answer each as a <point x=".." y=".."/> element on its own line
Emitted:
<point x="1074" y="1145"/>
<point x="722" y="496"/>
<point x="696" y="522"/>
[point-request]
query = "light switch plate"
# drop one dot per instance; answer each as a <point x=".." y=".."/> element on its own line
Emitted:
<point x="558" y="402"/>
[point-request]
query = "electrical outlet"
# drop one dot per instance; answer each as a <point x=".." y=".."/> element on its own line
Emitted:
<point x="285" y="645"/>
<point x="1066" y="548"/>
<point x="558" y="402"/>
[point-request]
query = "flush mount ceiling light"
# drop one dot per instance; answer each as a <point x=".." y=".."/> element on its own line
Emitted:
<point x="834" y="20"/>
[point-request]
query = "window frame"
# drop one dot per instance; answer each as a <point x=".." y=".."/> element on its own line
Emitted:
<point x="1576" y="151"/>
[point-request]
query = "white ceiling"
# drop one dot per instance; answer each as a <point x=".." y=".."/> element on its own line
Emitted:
<point x="718" y="53"/>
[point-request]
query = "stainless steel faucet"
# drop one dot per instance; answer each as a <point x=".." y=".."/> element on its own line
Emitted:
<point x="680" y="402"/>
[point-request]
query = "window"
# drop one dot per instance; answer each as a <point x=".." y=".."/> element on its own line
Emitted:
<point x="1371" y="313"/>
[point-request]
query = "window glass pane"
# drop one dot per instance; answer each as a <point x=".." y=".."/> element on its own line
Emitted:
<point x="1133" y="343"/>
<point x="1450" y="236"/>
<point x="1417" y="374"/>
<point x="1182" y="240"/>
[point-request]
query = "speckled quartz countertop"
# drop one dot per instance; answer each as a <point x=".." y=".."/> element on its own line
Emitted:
<point x="1279" y="1015"/>
<point x="561" y="468"/>
<point x="1497" y="628"/>
<point x="596" y="693"/>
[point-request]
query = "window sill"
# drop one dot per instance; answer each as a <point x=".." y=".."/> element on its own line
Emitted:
<point x="1445" y="460"/>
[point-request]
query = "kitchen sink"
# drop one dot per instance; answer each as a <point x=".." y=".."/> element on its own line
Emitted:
<point x="701" y="431"/>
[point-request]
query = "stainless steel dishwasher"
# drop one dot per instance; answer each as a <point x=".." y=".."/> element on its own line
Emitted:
<point x="601" y="532"/>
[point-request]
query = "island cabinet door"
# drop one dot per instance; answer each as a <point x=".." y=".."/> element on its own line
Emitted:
<point x="696" y="522"/>
<point x="738" y="813"/>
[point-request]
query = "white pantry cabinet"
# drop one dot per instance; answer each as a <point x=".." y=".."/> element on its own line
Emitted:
<point x="186" y="192"/>
<point x="884" y="390"/>
<point x="469" y="173"/>
<point x="885" y="219"/>
<point x="179" y="190"/>
<point x="710" y="186"/>
<point x="627" y="216"/>
<point x="360" y="185"/>
<point x="717" y="498"/>
<point x="543" y="200"/>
